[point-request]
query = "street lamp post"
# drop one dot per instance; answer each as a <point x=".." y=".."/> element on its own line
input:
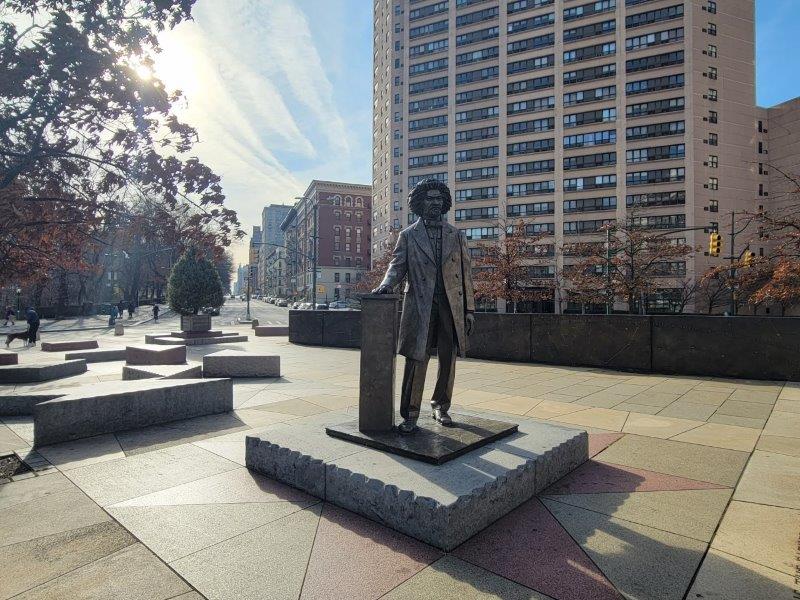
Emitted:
<point x="249" y="275"/>
<point x="19" y="303"/>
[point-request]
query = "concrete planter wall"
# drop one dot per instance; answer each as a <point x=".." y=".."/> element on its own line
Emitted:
<point x="750" y="347"/>
<point x="195" y="322"/>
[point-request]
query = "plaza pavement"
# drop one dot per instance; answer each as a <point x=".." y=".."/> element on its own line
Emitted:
<point x="693" y="491"/>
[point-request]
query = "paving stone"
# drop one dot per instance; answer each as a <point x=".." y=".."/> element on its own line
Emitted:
<point x="452" y="579"/>
<point x="726" y="577"/>
<point x="231" y="487"/>
<point x="117" y="480"/>
<point x="788" y="405"/>
<point x="785" y="424"/>
<point x="712" y="397"/>
<point x="529" y="547"/>
<point x="748" y="422"/>
<point x="691" y="513"/>
<point x="637" y="408"/>
<point x="780" y="445"/>
<point x="688" y="410"/>
<point x="596" y="417"/>
<point x="31" y="563"/>
<point x="173" y="532"/>
<point x="47" y="515"/>
<point x="34" y="489"/>
<point x="770" y="479"/>
<point x="548" y="409"/>
<point x="267" y="562"/>
<point x="517" y="405"/>
<point x="658" y="426"/>
<point x="295" y="406"/>
<point x="651" y="398"/>
<point x="79" y="453"/>
<point x="737" y="408"/>
<point x="600" y="441"/>
<point x="594" y="477"/>
<point x="721" y="436"/>
<point x="750" y="395"/>
<point x="377" y="558"/>
<point x="642" y="562"/>
<point x="9" y="440"/>
<point x="132" y="573"/>
<point x="767" y="535"/>
<point x="701" y="463"/>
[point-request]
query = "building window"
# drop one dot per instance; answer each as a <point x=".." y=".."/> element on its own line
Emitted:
<point x="347" y="277"/>
<point x="336" y="277"/>
<point x="713" y="161"/>
<point x="713" y="116"/>
<point x="713" y="205"/>
<point x="712" y="95"/>
<point x="713" y="183"/>
<point x="711" y="51"/>
<point x="336" y="261"/>
<point x="711" y="29"/>
<point x="712" y="73"/>
<point x="713" y="139"/>
<point x="711" y="7"/>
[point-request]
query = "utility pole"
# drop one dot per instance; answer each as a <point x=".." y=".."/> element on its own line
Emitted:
<point x="249" y="275"/>
<point x="733" y="268"/>
<point x="609" y="291"/>
<point x="314" y="260"/>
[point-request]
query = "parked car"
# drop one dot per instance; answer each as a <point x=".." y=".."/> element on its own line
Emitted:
<point x="295" y="305"/>
<point x="211" y="310"/>
<point x="338" y="305"/>
<point x="305" y="306"/>
<point x="282" y="302"/>
<point x="322" y="306"/>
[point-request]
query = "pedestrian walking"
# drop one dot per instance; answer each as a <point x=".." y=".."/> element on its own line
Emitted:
<point x="130" y="310"/>
<point x="121" y="309"/>
<point x="155" y="312"/>
<point x="33" y="325"/>
<point x="9" y="316"/>
<point x="112" y="316"/>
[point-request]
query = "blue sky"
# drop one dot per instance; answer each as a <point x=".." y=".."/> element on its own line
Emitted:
<point x="281" y="90"/>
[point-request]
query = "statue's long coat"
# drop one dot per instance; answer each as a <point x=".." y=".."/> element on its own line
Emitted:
<point x="413" y="256"/>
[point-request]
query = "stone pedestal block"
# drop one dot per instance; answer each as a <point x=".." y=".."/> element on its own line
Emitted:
<point x="191" y="371"/>
<point x="45" y="371"/>
<point x="69" y="345"/>
<point x="442" y="505"/>
<point x="119" y="329"/>
<point x="270" y="331"/>
<point x="152" y="354"/>
<point x="378" y="349"/>
<point x="195" y="322"/>
<point x="8" y="358"/>
<point x="100" y="355"/>
<point x="254" y="323"/>
<point x="233" y="363"/>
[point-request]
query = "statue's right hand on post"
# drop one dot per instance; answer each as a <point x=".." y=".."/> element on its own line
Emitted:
<point x="383" y="289"/>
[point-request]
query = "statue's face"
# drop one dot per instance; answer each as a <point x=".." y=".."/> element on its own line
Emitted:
<point x="434" y="202"/>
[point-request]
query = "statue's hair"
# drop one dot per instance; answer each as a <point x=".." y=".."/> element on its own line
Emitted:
<point x="416" y="198"/>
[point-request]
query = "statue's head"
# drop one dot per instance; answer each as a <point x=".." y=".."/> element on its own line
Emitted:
<point x="430" y="199"/>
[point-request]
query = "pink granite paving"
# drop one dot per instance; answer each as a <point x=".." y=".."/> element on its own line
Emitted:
<point x="353" y="557"/>
<point x="600" y="441"/>
<point x="529" y="546"/>
<point x="595" y="477"/>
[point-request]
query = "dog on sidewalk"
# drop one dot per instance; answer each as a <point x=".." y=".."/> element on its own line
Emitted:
<point x="17" y="335"/>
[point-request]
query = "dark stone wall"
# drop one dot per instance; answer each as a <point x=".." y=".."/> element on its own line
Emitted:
<point x="752" y="347"/>
<point x="612" y="341"/>
<point x="341" y="329"/>
<point x="501" y="337"/>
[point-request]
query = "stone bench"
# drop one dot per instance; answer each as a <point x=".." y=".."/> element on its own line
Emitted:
<point x="34" y="373"/>
<point x="23" y="403"/>
<point x="270" y="330"/>
<point x="8" y="358"/>
<point x="100" y="355"/>
<point x="152" y="354"/>
<point x="94" y="410"/>
<point x="66" y="346"/>
<point x="172" y="339"/>
<point x="191" y="371"/>
<point x="234" y="363"/>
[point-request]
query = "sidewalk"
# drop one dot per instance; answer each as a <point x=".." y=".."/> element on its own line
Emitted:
<point x="85" y="323"/>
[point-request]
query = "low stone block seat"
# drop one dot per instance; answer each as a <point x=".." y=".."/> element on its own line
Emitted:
<point x="152" y="354"/>
<point x="189" y="371"/>
<point x="42" y="371"/>
<point x="8" y="358"/>
<point x="234" y="363"/>
<point x="271" y="330"/>
<point x="120" y="405"/>
<point x="22" y="403"/>
<point x="191" y="339"/>
<point x="98" y="355"/>
<point x="69" y="345"/>
<point x="442" y="505"/>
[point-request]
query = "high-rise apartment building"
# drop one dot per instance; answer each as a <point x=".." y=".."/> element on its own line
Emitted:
<point x="567" y="114"/>
<point x="272" y="238"/>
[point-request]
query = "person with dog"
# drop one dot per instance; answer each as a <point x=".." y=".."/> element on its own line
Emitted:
<point x="155" y="313"/>
<point x="9" y="316"/>
<point x="33" y="325"/>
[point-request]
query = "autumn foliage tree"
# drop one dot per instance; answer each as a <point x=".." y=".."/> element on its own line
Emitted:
<point x="507" y="269"/>
<point x="631" y="264"/>
<point x="87" y="134"/>
<point x="372" y="278"/>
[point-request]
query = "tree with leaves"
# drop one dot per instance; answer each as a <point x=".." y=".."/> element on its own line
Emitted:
<point x="372" y="278"/>
<point x="510" y="269"/>
<point x="632" y="264"/>
<point x="87" y="131"/>
<point x="193" y="284"/>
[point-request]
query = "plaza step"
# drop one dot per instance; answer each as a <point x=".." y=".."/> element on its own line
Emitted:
<point x="105" y="408"/>
<point x="70" y="345"/>
<point x="44" y="371"/>
<point x="271" y="330"/>
<point x="234" y="363"/>
<point x="99" y="355"/>
<point x="190" y="371"/>
<point x="8" y="358"/>
<point x="152" y="354"/>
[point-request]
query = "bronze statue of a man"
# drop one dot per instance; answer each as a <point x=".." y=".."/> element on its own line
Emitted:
<point x="439" y="300"/>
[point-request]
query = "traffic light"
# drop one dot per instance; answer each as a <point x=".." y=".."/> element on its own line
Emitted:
<point x="748" y="257"/>
<point x="714" y="244"/>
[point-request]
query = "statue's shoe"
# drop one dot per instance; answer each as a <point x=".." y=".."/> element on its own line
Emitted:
<point x="407" y="426"/>
<point x="441" y="416"/>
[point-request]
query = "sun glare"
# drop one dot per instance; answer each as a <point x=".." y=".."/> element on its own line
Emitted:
<point x="144" y="72"/>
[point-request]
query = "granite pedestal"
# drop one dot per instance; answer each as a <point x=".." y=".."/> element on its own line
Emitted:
<point x="98" y="355"/>
<point x="233" y="363"/>
<point x="8" y="358"/>
<point x="150" y="354"/>
<point x="270" y="331"/>
<point x="42" y="371"/>
<point x="193" y="339"/>
<point x="189" y="371"/>
<point x="70" y="345"/>
<point x="442" y="505"/>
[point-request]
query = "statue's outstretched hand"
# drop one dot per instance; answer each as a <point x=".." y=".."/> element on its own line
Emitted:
<point x="469" y="323"/>
<point x="383" y="289"/>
